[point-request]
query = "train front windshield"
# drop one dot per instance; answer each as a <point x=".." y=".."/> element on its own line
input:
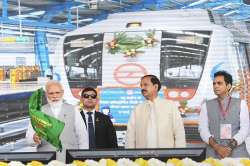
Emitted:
<point x="183" y="55"/>
<point x="83" y="58"/>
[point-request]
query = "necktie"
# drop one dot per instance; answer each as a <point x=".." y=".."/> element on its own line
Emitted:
<point x="91" y="131"/>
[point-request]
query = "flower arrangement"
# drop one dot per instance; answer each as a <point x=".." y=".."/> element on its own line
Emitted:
<point x="15" y="163"/>
<point x="130" y="46"/>
<point x="35" y="163"/>
<point x="245" y="162"/>
<point x="213" y="162"/>
<point x="140" y="162"/>
<point x="57" y="163"/>
<point x="231" y="162"/>
<point x="175" y="162"/>
<point x="79" y="163"/>
<point x="155" y="162"/>
<point x="3" y="164"/>
<point x="125" y="162"/>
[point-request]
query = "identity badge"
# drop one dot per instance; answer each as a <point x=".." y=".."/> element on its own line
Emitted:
<point x="225" y="131"/>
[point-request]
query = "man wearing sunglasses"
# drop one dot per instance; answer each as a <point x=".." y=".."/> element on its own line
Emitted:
<point x="73" y="135"/>
<point x="101" y="132"/>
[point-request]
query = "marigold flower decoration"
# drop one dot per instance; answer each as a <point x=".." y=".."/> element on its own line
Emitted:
<point x="35" y="163"/>
<point x="175" y="162"/>
<point x="129" y="46"/>
<point x="150" y="40"/>
<point x="107" y="162"/>
<point x="141" y="162"/>
<point x="213" y="162"/>
<point x="245" y="162"/>
<point x="3" y="164"/>
<point x="156" y="162"/>
<point x="111" y="162"/>
<point x="15" y="163"/>
<point x="79" y="163"/>
<point x="125" y="162"/>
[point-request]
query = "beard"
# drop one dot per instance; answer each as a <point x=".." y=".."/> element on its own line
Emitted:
<point x="55" y="104"/>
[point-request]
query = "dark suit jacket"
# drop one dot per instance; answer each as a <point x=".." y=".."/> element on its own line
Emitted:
<point x="105" y="135"/>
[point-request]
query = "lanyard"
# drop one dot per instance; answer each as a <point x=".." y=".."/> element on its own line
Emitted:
<point x="225" y="112"/>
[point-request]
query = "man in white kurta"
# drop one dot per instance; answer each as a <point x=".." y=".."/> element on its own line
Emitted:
<point x="155" y="123"/>
<point x="74" y="134"/>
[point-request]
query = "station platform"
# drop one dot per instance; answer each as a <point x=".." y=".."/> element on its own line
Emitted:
<point x="6" y="87"/>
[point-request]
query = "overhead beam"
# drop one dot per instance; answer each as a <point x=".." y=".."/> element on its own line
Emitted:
<point x="135" y="7"/>
<point x="54" y="10"/>
<point x="37" y="24"/>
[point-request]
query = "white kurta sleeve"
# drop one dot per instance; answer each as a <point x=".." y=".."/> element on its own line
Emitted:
<point x="130" y="134"/>
<point x="180" y="140"/>
<point x="29" y="135"/>
<point x="203" y="124"/>
<point x="244" y="123"/>
<point x="247" y="141"/>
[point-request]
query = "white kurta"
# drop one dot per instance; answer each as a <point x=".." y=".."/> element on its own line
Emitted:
<point x="80" y="129"/>
<point x="169" y="124"/>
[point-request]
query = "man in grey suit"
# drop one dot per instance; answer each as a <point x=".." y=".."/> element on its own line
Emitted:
<point x="74" y="133"/>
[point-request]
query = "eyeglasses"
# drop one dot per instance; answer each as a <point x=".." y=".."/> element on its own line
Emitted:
<point x="86" y="96"/>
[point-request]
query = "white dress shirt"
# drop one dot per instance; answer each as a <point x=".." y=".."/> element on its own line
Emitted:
<point x="80" y="129"/>
<point x="244" y="124"/>
<point x="86" y="117"/>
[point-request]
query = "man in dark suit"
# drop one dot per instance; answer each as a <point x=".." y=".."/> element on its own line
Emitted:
<point x="101" y="131"/>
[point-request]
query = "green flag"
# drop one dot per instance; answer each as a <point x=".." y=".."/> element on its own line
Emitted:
<point x="47" y="127"/>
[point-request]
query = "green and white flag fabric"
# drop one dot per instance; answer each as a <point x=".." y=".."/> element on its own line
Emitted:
<point x="45" y="126"/>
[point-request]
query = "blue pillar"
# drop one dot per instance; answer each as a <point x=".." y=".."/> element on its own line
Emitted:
<point x="41" y="51"/>
<point x="5" y="9"/>
<point x="69" y="17"/>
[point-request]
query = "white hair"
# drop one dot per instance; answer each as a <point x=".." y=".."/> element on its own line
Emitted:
<point x="52" y="82"/>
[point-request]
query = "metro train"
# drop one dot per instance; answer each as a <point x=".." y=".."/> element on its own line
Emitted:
<point x="182" y="47"/>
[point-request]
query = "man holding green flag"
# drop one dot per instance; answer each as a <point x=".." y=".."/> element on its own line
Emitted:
<point x="56" y="126"/>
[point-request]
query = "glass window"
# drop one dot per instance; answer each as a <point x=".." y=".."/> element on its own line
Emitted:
<point x="83" y="60"/>
<point x="183" y="55"/>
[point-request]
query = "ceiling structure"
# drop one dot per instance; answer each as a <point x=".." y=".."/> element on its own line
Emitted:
<point x="61" y="16"/>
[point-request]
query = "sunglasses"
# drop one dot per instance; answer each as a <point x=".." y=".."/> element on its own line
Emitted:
<point x="86" y="96"/>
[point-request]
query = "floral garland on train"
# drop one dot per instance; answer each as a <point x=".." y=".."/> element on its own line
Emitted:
<point x="140" y="162"/>
<point x="131" y="46"/>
